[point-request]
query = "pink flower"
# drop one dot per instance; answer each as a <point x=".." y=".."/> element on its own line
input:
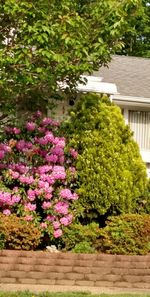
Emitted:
<point x="14" y="174"/>
<point x="46" y="205"/>
<point x="43" y="225"/>
<point x="41" y="129"/>
<point x="44" y="169"/>
<point x="31" y="195"/>
<point x="61" y="207"/>
<point x="66" y="193"/>
<point x="5" y="198"/>
<point x="49" y="190"/>
<point x="28" y="218"/>
<point x="42" y="153"/>
<point x="61" y="160"/>
<point x="2" y="154"/>
<point x="50" y="218"/>
<point x="47" y="121"/>
<point x="43" y="184"/>
<point x="38" y="192"/>
<point x="75" y="196"/>
<point x="29" y="145"/>
<point x="66" y="220"/>
<point x="51" y="158"/>
<point x="59" y="172"/>
<point x="38" y="114"/>
<point x="22" y="168"/>
<point x="37" y="165"/>
<point x="29" y="206"/>
<point x="16" y="198"/>
<point x="16" y="130"/>
<point x="15" y="189"/>
<point x="50" y="179"/>
<point x="43" y="141"/>
<point x="2" y="166"/>
<point x="49" y="137"/>
<point x="57" y="150"/>
<point x="20" y="145"/>
<point x="72" y="170"/>
<point x="60" y="141"/>
<point x="73" y="153"/>
<point x="56" y="225"/>
<point x="26" y="179"/>
<point x="30" y="126"/>
<point x="48" y="196"/>
<point x="58" y="233"/>
<point x="6" y="212"/>
<point x="43" y="178"/>
<point x="5" y="148"/>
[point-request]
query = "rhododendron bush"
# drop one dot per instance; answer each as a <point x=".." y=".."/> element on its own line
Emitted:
<point x="37" y="174"/>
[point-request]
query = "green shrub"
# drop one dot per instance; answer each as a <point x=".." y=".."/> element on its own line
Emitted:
<point x="84" y="247"/>
<point x="77" y="233"/>
<point x="2" y="241"/>
<point x="111" y="173"/>
<point x="126" y="234"/>
<point x="144" y="200"/>
<point x="19" y="234"/>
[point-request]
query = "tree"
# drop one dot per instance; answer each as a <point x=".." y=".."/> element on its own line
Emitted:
<point x="111" y="173"/>
<point x="137" y="38"/>
<point x="46" y="42"/>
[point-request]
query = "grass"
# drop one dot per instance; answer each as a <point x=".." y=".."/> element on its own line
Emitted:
<point x="66" y="294"/>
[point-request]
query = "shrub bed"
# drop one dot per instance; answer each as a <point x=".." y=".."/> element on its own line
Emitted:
<point x="18" y="234"/>
<point x="126" y="234"/>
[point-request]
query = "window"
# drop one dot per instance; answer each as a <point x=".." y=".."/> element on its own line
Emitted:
<point x="139" y="122"/>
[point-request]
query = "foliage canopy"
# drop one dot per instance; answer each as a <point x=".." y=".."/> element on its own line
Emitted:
<point x="137" y="38"/>
<point x="46" y="42"/>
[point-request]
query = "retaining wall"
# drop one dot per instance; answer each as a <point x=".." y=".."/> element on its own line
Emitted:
<point x="98" y="270"/>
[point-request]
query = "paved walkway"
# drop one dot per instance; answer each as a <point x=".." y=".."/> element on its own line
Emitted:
<point x="55" y="288"/>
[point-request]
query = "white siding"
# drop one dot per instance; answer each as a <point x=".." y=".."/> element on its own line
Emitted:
<point x="139" y="122"/>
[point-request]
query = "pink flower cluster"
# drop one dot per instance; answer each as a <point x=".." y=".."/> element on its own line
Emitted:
<point x="67" y="194"/>
<point x="7" y="199"/>
<point x="34" y="166"/>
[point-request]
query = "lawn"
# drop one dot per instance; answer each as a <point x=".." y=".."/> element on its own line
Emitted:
<point x="66" y="294"/>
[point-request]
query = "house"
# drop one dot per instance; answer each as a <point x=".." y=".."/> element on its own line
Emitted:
<point x="127" y="81"/>
<point x="131" y="75"/>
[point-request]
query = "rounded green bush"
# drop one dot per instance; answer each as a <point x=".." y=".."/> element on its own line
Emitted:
<point x="78" y="236"/>
<point x="111" y="173"/>
<point x="127" y="234"/>
<point x="18" y="233"/>
<point x="83" y="247"/>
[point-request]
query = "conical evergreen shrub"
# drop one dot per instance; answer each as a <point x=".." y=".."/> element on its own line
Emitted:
<point x="111" y="173"/>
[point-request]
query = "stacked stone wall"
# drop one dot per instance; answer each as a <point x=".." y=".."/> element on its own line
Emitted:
<point x="93" y="270"/>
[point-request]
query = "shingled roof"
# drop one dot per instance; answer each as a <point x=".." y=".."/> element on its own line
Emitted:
<point x="130" y="74"/>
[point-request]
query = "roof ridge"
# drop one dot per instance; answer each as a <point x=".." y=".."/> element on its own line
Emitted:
<point x="131" y="57"/>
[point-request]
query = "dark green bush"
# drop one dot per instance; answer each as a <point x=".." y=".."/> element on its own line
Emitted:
<point x="77" y="233"/>
<point x="144" y="200"/>
<point x="18" y="233"/>
<point x="2" y="241"/>
<point x="126" y="234"/>
<point x="111" y="173"/>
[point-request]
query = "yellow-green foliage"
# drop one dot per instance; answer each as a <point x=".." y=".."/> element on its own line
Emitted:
<point x="19" y="234"/>
<point x="111" y="173"/>
<point x="126" y="234"/>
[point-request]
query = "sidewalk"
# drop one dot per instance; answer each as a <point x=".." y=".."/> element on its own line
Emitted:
<point x="56" y="288"/>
